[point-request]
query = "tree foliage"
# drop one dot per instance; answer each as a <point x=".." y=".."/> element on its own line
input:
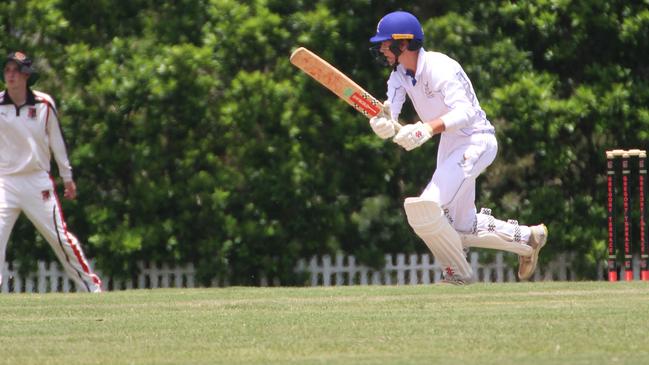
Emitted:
<point x="193" y="139"/>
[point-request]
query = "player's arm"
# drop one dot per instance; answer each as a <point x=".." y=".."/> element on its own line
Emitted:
<point x="457" y="96"/>
<point x="396" y="96"/>
<point x="57" y="145"/>
<point x="435" y="126"/>
<point x="456" y="89"/>
<point x="385" y="125"/>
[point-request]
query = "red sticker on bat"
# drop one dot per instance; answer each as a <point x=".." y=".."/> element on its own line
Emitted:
<point x="369" y="108"/>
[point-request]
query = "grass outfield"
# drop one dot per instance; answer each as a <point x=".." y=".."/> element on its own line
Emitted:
<point x="530" y="323"/>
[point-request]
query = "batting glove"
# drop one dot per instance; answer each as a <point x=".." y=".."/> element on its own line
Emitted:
<point x="382" y="124"/>
<point x="382" y="127"/>
<point x="412" y="136"/>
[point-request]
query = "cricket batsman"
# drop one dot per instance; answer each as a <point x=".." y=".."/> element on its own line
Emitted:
<point x="29" y="130"/>
<point x="444" y="216"/>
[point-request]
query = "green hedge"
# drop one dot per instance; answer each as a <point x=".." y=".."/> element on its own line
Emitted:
<point x="194" y="139"/>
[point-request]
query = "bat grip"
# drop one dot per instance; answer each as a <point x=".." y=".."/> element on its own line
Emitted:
<point x="385" y="112"/>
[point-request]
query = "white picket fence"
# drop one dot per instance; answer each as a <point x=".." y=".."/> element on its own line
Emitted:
<point x="400" y="269"/>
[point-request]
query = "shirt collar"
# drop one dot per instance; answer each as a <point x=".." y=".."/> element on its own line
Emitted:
<point x="31" y="98"/>
<point x="421" y="59"/>
<point x="420" y="67"/>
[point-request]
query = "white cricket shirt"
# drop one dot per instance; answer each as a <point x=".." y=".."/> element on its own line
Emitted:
<point x="28" y="133"/>
<point x="439" y="89"/>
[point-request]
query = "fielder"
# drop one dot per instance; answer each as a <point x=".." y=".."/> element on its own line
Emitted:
<point x="444" y="216"/>
<point x="29" y="129"/>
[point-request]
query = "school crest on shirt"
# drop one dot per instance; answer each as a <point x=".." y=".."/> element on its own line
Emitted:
<point x="428" y="91"/>
<point x="31" y="112"/>
<point x="46" y="195"/>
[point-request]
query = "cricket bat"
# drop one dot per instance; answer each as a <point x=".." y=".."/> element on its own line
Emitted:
<point x="341" y="85"/>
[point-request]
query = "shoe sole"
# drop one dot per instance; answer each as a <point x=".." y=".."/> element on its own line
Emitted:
<point x="454" y="283"/>
<point x="535" y="253"/>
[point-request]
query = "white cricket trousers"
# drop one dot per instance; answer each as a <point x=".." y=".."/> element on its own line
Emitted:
<point x="460" y="160"/>
<point x="34" y="194"/>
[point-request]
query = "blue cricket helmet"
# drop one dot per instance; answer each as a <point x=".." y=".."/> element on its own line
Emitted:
<point x="398" y="25"/>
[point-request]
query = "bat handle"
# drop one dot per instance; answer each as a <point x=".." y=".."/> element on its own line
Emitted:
<point x="385" y="112"/>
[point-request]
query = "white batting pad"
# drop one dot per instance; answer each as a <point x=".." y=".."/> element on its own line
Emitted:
<point x="497" y="234"/>
<point x="495" y="242"/>
<point x="429" y="223"/>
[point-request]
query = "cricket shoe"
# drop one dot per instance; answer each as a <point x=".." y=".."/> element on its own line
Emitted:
<point x="527" y="264"/>
<point x="450" y="277"/>
<point x="95" y="289"/>
<point x="95" y="285"/>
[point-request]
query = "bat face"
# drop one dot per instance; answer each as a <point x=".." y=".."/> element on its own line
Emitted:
<point x="334" y="80"/>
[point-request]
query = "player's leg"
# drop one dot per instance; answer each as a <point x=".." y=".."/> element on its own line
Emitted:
<point x="8" y="216"/>
<point x="457" y="180"/>
<point x="458" y="163"/>
<point x="42" y="207"/>
<point x="492" y="233"/>
<point x="497" y="234"/>
<point x="453" y="183"/>
<point x="9" y="212"/>
<point x="538" y="239"/>
<point x="429" y="223"/>
<point x="485" y="231"/>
